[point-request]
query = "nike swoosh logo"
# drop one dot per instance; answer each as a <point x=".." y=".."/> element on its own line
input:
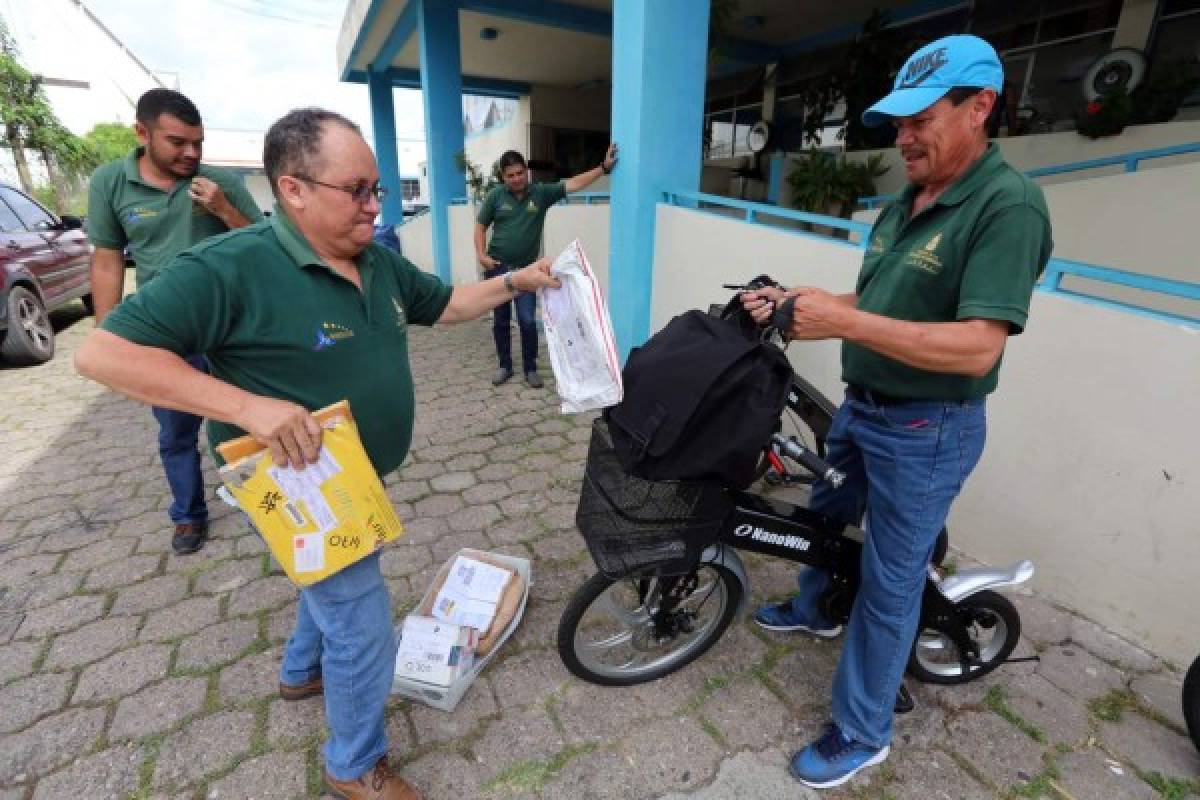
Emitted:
<point x="921" y="78"/>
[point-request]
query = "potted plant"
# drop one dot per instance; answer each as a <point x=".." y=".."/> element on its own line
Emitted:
<point x="1107" y="115"/>
<point x="477" y="184"/>
<point x="1159" y="97"/>
<point x="826" y="184"/>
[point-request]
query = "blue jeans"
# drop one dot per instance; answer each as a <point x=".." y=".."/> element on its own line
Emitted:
<point x="904" y="466"/>
<point x="526" y="303"/>
<point x="344" y="634"/>
<point x="178" y="432"/>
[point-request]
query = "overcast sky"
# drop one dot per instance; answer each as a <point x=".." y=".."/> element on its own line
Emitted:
<point x="246" y="62"/>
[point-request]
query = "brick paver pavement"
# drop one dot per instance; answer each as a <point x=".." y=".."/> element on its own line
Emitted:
<point x="126" y="671"/>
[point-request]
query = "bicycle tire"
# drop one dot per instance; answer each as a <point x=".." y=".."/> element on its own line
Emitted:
<point x="1191" y="702"/>
<point x="983" y="607"/>
<point x="671" y="658"/>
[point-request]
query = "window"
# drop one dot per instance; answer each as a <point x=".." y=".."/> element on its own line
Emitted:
<point x="33" y="215"/>
<point x="1177" y="37"/>
<point x="410" y="188"/>
<point x="9" y="223"/>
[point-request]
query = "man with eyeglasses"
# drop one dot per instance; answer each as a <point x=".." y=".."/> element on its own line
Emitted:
<point x="295" y="313"/>
<point x="158" y="201"/>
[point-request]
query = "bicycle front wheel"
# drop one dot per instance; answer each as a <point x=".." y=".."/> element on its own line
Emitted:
<point x="621" y="633"/>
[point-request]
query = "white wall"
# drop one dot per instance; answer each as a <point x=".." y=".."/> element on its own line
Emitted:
<point x="588" y="224"/>
<point x="260" y="189"/>
<point x="416" y="241"/>
<point x="1091" y="468"/>
<point x="696" y="252"/>
<point x="463" y="266"/>
<point x="1051" y="149"/>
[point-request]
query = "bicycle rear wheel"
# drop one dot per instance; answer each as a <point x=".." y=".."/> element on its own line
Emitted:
<point x="1191" y="702"/>
<point x="619" y="633"/>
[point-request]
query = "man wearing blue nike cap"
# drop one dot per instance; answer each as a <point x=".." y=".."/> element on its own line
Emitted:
<point x="947" y="277"/>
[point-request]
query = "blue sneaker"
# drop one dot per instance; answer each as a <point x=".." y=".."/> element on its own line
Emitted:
<point x="788" y="616"/>
<point x="834" y="759"/>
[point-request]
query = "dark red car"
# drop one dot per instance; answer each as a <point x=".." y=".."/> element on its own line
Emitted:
<point x="44" y="264"/>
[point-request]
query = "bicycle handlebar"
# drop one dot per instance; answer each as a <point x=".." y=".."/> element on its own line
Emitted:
<point x="794" y="449"/>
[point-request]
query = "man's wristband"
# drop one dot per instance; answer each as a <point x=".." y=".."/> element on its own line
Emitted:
<point x="509" y="284"/>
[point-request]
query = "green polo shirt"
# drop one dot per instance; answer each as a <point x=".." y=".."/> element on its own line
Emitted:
<point x="974" y="254"/>
<point x="518" y="221"/>
<point x="276" y="320"/>
<point x="157" y="225"/>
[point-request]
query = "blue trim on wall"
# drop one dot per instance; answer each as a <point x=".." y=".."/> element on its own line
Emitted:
<point x="762" y="213"/>
<point x="405" y="27"/>
<point x="657" y="115"/>
<point x="441" y="89"/>
<point x="545" y="12"/>
<point x="383" y="126"/>
<point x="360" y="38"/>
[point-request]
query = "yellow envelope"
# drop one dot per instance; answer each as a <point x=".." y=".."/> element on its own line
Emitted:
<point x="321" y="519"/>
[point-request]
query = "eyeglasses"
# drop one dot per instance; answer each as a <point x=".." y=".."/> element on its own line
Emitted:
<point x="360" y="192"/>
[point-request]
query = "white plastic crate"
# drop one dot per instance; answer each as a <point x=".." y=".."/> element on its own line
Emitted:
<point x="447" y="697"/>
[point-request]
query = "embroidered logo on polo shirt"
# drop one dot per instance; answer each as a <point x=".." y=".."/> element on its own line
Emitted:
<point x="876" y="245"/>
<point x="136" y="215"/>
<point x="926" y="258"/>
<point x="329" y="334"/>
<point x="505" y="207"/>
<point x="532" y="207"/>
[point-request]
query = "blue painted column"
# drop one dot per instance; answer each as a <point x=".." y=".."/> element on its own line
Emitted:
<point x="775" y="178"/>
<point x="383" y="124"/>
<point x="660" y="52"/>
<point x="441" y="87"/>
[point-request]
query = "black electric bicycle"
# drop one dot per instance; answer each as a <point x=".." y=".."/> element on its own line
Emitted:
<point x="670" y="578"/>
<point x="1191" y="702"/>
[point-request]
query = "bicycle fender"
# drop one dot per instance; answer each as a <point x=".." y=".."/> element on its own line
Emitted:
<point x="728" y="557"/>
<point x="963" y="584"/>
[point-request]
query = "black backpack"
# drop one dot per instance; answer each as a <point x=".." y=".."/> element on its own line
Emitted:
<point x="702" y="398"/>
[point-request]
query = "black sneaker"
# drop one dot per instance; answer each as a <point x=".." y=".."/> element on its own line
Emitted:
<point x="189" y="537"/>
<point x="502" y="375"/>
<point x="534" y="380"/>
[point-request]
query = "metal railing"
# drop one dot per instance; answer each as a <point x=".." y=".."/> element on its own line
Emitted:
<point x="1051" y="281"/>
<point x="762" y="213"/>
<point x="586" y="198"/>
<point x="1129" y="160"/>
<point x="1056" y="268"/>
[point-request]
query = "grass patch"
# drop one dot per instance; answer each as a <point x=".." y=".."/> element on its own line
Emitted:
<point x="1111" y="706"/>
<point x="1169" y="788"/>
<point x="997" y="701"/>
<point x="529" y="776"/>
<point x="712" y="730"/>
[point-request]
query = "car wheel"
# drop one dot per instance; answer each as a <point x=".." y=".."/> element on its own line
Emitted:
<point x="30" y="337"/>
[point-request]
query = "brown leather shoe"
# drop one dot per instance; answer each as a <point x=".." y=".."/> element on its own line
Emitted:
<point x="302" y="690"/>
<point x="378" y="784"/>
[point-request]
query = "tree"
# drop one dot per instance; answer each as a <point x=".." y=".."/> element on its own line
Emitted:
<point x="110" y="141"/>
<point x="29" y="123"/>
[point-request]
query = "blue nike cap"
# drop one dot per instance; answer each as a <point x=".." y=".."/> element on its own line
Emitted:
<point x="938" y="67"/>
